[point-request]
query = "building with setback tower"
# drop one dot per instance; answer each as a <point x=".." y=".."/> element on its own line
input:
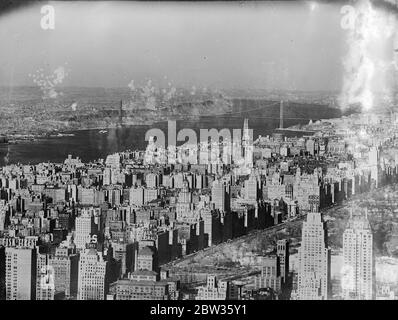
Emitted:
<point x="358" y="268"/>
<point x="314" y="260"/>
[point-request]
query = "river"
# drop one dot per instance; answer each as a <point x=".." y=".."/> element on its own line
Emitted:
<point x="92" y="144"/>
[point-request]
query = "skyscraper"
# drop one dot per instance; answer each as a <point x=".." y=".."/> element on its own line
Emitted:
<point x="92" y="269"/>
<point x="247" y="144"/>
<point x="45" y="287"/>
<point x="2" y="273"/>
<point x="314" y="259"/>
<point x="107" y="176"/>
<point x="270" y="274"/>
<point x="184" y="204"/>
<point x="358" y="280"/>
<point x="85" y="228"/>
<point x="251" y="188"/>
<point x="220" y="196"/>
<point x="373" y="164"/>
<point x="282" y="251"/>
<point x="137" y="196"/>
<point x="65" y="265"/>
<point x="3" y="213"/>
<point x="20" y="273"/>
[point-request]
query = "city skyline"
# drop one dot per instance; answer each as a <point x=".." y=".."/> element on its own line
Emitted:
<point x="99" y="239"/>
<point x="182" y="153"/>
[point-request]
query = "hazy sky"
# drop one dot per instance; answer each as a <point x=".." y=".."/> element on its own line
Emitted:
<point x="270" y="45"/>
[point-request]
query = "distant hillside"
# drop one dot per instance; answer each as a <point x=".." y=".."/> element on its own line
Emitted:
<point x="24" y="111"/>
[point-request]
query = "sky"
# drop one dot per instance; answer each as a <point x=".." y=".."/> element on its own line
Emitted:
<point x="269" y="45"/>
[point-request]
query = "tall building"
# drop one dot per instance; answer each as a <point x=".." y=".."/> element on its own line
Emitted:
<point x="152" y="180"/>
<point x="314" y="259"/>
<point x="373" y="160"/>
<point x="282" y="251"/>
<point x="113" y="161"/>
<point x="2" y="273"/>
<point x="358" y="279"/>
<point x="107" y="176"/>
<point x="65" y="265"/>
<point x="212" y="226"/>
<point x="137" y="196"/>
<point x="248" y="148"/>
<point x="92" y="271"/>
<point x="85" y="228"/>
<point x="3" y="212"/>
<point x="20" y="273"/>
<point x="150" y="194"/>
<point x="220" y="196"/>
<point x="146" y="259"/>
<point x="45" y="287"/>
<point x="184" y="204"/>
<point x="270" y="276"/>
<point x="251" y="188"/>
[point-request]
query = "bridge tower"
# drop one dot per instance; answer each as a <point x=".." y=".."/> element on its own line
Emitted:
<point x="121" y="112"/>
<point x="281" y="115"/>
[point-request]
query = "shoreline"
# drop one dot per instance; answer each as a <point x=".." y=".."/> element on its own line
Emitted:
<point x="61" y="133"/>
<point x="14" y="139"/>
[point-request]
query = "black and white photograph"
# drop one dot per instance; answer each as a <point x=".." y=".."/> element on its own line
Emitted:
<point x="209" y="151"/>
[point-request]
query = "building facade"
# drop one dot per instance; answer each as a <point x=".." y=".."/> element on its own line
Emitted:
<point x="92" y="269"/>
<point x="314" y="260"/>
<point x="358" y="279"/>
